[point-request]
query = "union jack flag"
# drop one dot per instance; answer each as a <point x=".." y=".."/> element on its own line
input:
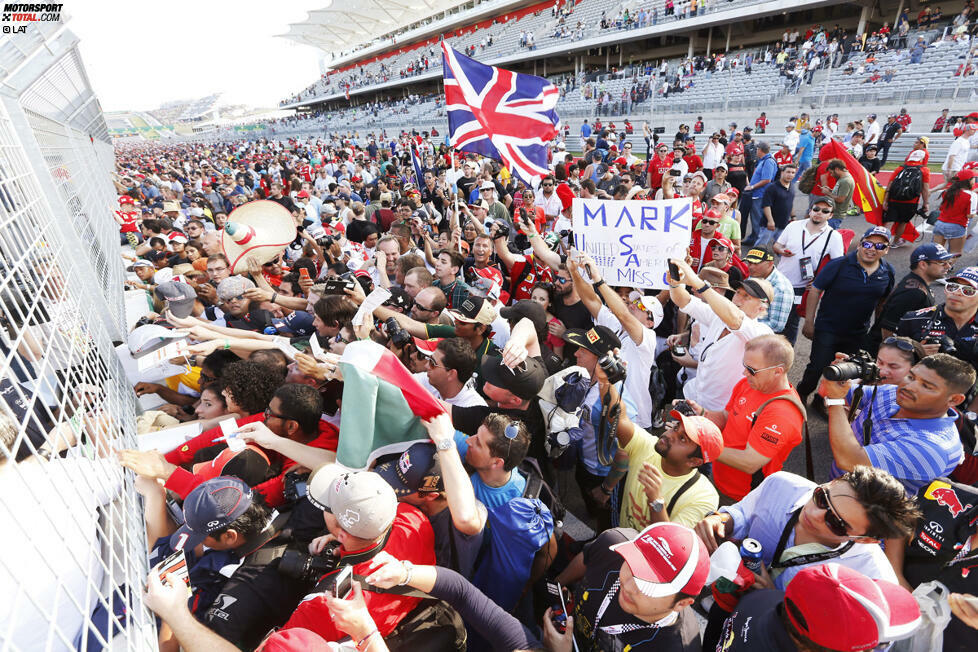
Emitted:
<point x="500" y="114"/>
<point x="416" y="163"/>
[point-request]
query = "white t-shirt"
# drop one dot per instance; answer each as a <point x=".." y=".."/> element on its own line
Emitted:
<point x="791" y="138"/>
<point x="959" y="150"/>
<point x="640" y="359"/>
<point x="52" y="548"/>
<point x="721" y="360"/>
<point x="873" y="132"/>
<point x="712" y="155"/>
<point x="798" y="240"/>
<point x="467" y="397"/>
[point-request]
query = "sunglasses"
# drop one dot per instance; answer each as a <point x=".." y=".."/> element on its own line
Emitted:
<point x="268" y="413"/>
<point x="420" y="307"/>
<point x="240" y="297"/>
<point x="718" y="247"/>
<point x="878" y="246"/>
<point x="431" y="361"/>
<point x="958" y="288"/>
<point x="833" y="521"/>
<point x="902" y="344"/>
<point x="562" y="280"/>
<point x="753" y="372"/>
<point x="706" y="221"/>
<point x="547" y="185"/>
<point x="827" y="211"/>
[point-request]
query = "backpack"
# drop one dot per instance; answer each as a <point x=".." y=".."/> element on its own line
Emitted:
<point x="807" y="181"/>
<point x="907" y="184"/>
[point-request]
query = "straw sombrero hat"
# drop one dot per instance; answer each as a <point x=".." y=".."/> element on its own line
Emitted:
<point x="256" y="232"/>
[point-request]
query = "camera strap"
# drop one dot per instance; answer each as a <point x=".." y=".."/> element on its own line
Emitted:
<point x="758" y="475"/>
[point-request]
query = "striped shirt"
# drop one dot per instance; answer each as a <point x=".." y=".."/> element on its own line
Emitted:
<point x="915" y="451"/>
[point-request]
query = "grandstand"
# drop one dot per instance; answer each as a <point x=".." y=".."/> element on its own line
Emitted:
<point x="590" y="48"/>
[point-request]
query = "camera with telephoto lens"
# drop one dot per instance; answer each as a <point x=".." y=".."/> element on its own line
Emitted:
<point x="310" y="568"/>
<point x="945" y="343"/>
<point x="502" y="230"/>
<point x="613" y="367"/>
<point x="397" y="335"/>
<point x="861" y="366"/>
<point x="326" y="241"/>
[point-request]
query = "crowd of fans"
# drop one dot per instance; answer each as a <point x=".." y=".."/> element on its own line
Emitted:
<point x="667" y="415"/>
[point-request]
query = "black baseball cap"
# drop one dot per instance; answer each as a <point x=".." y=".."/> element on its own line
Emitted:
<point x="525" y="380"/>
<point x="417" y="469"/>
<point x="599" y="340"/>
<point x="760" y="254"/>
<point x="526" y="308"/>
<point x="212" y="506"/>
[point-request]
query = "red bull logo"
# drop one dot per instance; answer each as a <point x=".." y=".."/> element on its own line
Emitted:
<point x="944" y="495"/>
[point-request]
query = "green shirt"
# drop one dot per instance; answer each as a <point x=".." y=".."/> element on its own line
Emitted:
<point x="844" y="187"/>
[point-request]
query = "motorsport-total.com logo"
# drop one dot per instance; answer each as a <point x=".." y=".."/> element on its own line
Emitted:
<point x="28" y="13"/>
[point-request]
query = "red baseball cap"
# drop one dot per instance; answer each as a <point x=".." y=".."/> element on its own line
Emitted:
<point x="666" y="559"/>
<point x="713" y="214"/>
<point x="842" y="609"/>
<point x="125" y="199"/>
<point x="964" y="175"/>
<point x="489" y="273"/>
<point x="427" y="347"/>
<point x="303" y="194"/>
<point x="704" y="432"/>
<point x="724" y="240"/>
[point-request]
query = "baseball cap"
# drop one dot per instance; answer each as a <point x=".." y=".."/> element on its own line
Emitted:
<point x="232" y="286"/>
<point x="704" y="432"/>
<point x="759" y="288"/>
<point x="298" y="322"/>
<point x="824" y="199"/>
<point x="759" y="254"/>
<point x="179" y="297"/>
<point x="140" y="263"/>
<point x="666" y="559"/>
<point x="149" y="338"/>
<point x="482" y="203"/>
<point x="924" y="139"/>
<point x="399" y="299"/>
<point x="840" y="608"/>
<point x="171" y="207"/>
<point x="362" y="502"/>
<point x="125" y="199"/>
<point x="303" y="194"/>
<point x="969" y="275"/>
<point x="154" y="256"/>
<point x="529" y="309"/>
<point x="427" y="347"/>
<point x="930" y="251"/>
<point x="964" y="175"/>
<point x="474" y="310"/>
<point x="249" y="464"/>
<point x="417" y="469"/>
<point x="713" y="214"/>
<point x="916" y="156"/>
<point x="212" y="506"/>
<point x="599" y="340"/>
<point x="719" y="238"/>
<point x="877" y="230"/>
<point x="525" y="380"/>
<point x="487" y="185"/>
<point x="179" y="238"/>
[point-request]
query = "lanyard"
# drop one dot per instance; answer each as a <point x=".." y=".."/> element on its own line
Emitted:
<point x="802" y="560"/>
<point x="615" y="630"/>
<point x="814" y="240"/>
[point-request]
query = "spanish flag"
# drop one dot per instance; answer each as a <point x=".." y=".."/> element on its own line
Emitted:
<point x="868" y="195"/>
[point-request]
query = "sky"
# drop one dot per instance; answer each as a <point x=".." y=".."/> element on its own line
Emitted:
<point x="141" y="54"/>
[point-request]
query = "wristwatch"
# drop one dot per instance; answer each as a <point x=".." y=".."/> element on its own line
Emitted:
<point x="700" y="290"/>
<point x="445" y="444"/>
<point x="657" y="505"/>
<point x="829" y="402"/>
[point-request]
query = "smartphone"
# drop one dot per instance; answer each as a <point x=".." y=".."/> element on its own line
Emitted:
<point x="558" y="608"/>
<point x="684" y="408"/>
<point x="674" y="271"/>
<point x="343" y="584"/>
<point x="303" y="272"/>
<point x="679" y="350"/>
<point x="337" y="286"/>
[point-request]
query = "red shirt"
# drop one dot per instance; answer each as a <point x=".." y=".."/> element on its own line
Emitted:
<point x="762" y="123"/>
<point x="694" y="162"/>
<point x="657" y="167"/>
<point x="776" y="433"/>
<point x="183" y="481"/>
<point x="958" y="211"/>
<point x="698" y="127"/>
<point x="539" y="274"/>
<point x="904" y="120"/>
<point x="782" y="158"/>
<point x="128" y="221"/>
<point x="412" y="539"/>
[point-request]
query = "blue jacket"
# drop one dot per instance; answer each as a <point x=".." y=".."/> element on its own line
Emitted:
<point x="766" y="168"/>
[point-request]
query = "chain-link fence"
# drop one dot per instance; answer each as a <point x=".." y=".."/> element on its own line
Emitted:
<point x="73" y="556"/>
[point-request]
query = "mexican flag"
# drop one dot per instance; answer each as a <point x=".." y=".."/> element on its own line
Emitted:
<point x="382" y="405"/>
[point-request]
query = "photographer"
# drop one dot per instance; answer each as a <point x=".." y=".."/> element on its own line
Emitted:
<point x="950" y="327"/>
<point x="473" y="322"/>
<point x="361" y="512"/>
<point x="725" y="327"/>
<point x="929" y="263"/>
<point x="908" y="430"/>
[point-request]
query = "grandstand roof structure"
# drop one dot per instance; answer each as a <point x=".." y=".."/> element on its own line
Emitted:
<point x="336" y="28"/>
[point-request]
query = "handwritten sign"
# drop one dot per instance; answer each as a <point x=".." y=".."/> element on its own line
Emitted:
<point x="632" y="241"/>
